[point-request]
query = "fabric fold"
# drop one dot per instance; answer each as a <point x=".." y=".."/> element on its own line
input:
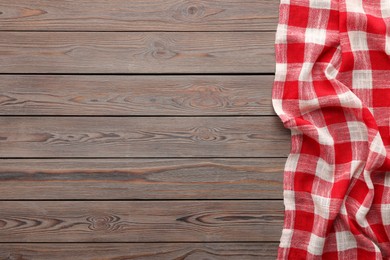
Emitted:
<point x="332" y="90"/>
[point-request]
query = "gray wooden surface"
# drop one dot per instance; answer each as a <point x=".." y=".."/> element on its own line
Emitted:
<point x="139" y="130"/>
<point x="136" y="95"/>
<point x="136" y="52"/>
<point x="241" y="136"/>
<point x="194" y="178"/>
<point x="139" y="251"/>
<point x="140" y="221"/>
<point x="138" y="15"/>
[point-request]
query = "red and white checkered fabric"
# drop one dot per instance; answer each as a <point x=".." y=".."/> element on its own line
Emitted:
<point x="332" y="90"/>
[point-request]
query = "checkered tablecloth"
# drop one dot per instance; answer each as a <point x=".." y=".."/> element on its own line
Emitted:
<point x="332" y="90"/>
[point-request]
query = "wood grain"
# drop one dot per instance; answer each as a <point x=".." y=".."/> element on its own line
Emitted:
<point x="243" y="178"/>
<point x="98" y="162"/>
<point x="135" y="95"/>
<point x="138" y="15"/>
<point x="141" y="221"/>
<point x="143" y="137"/>
<point x="140" y="251"/>
<point x="136" y="52"/>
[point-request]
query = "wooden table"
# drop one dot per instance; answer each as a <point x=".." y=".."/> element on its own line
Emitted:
<point x="139" y="129"/>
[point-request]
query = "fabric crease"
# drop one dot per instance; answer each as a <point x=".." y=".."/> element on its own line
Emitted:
<point x="332" y="90"/>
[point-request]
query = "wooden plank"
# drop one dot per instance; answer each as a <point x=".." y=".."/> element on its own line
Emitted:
<point x="136" y="52"/>
<point x="143" y="137"/>
<point x="135" y="95"/>
<point x="141" y="221"/>
<point x="68" y="179"/>
<point x="138" y="15"/>
<point x="140" y="251"/>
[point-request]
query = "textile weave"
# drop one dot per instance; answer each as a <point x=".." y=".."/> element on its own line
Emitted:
<point x="332" y="90"/>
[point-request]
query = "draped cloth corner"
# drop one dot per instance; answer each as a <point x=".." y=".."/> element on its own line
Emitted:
<point x="332" y="90"/>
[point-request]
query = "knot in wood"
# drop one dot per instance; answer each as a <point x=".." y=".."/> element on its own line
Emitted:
<point x="205" y="134"/>
<point x="13" y="256"/>
<point x="205" y="97"/>
<point x="102" y="222"/>
<point x="160" y="51"/>
<point x="191" y="11"/>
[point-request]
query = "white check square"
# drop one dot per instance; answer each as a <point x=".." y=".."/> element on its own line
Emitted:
<point x="354" y="6"/>
<point x="306" y="70"/>
<point x="385" y="8"/>
<point x="358" y="40"/>
<point x="289" y="199"/>
<point x="324" y="170"/>
<point x="281" y="35"/>
<point x="362" y="79"/>
<point x="385" y="211"/>
<point x="345" y="240"/>
<point x="320" y="4"/>
<point x="357" y="131"/>
<point x="316" y="244"/>
<point x="317" y="36"/>
<point x="321" y="206"/>
<point x="281" y="71"/>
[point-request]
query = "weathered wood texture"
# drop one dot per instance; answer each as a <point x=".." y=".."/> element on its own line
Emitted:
<point x="135" y="95"/>
<point x="140" y="221"/>
<point x="140" y="251"/>
<point x="138" y="15"/>
<point x="243" y="178"/>
<point x="136" y="52"/>
<point x="143" y="137"/>
<point x="139" y="162"/>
